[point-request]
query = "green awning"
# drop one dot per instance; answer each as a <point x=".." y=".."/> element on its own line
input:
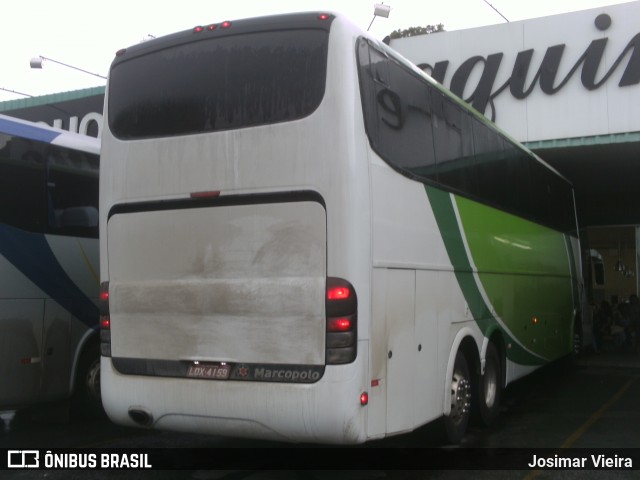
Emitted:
<point x="614" y="138"/>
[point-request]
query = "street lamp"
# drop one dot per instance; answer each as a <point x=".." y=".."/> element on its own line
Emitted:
<point x="36" y="62"/>
<point x="380" y="10"/>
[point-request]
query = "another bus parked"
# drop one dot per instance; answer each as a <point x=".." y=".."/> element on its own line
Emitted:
<point x="305" y="238"/>
<point x="49" y="280"/>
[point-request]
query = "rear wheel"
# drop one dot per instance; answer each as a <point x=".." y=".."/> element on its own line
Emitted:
<point x="86" y="402"/>
<point x="455" y="424"/>
<point x="489" y="388"/>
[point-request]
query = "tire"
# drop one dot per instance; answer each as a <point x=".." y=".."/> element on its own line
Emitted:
<point x="488" y="391"/>
<point x="455" y="424"/>
<point x="86" y="402"/>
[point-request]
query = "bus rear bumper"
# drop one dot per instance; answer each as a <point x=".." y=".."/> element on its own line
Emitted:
<point x="328" y="411"/>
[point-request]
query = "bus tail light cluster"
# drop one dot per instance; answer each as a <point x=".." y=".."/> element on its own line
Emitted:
<point x="211" y="27"/>
<point x="227" y="24"/>
<point x="105" y="320"/>
<point x="342" y="322"/>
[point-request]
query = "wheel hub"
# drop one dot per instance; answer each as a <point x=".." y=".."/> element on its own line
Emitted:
<point x="460" y="398"/>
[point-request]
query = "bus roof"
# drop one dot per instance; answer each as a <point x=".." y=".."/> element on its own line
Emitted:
<point x="310" y="19"/>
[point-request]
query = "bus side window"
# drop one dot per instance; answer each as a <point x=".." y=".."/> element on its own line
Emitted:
<point x="389" y="103"/>
<point x="72" y="192"/>
<point x="397" y="113"/>
<point x="22" y="182"/>
<point x="453" y="144"/>
<point x="430" y="137"/>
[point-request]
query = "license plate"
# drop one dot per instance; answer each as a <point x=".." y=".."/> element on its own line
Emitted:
<point x="213" y="371"/>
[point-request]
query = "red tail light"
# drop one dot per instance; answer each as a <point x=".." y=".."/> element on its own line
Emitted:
<point x="342" y="324"/>
<point x="105" y="320"/>
<point x="211" y="27"/>
<point x="338" y="293"/>
<point x="342" y="320"/>
<point x="205" y="194"/>
<point x="104" y="296"/>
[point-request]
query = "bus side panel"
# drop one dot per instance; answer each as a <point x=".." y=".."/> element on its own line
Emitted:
<point x="377" y="408"/>
<point x="64" y="329"/>
<point x="417" y="315"/>
<point x="400" y="348"/>
<point x="79" y="257"/>
<point x="20" y="351"/>
<point x="49" y="289"/>
<point x="438" y="305"/>
<point x="21" y="323"/>
<point x="56" y="360"/>
<point x="417" y="306"/>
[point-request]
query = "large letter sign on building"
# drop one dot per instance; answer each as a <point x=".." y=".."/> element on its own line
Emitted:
<point x="570" y="75"/>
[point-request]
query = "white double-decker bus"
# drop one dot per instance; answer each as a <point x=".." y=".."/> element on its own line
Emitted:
<point x="305" y="238"/>
<point x="49" y="280"/>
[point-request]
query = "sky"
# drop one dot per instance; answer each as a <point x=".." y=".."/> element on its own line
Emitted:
<point x="87" y="35"/>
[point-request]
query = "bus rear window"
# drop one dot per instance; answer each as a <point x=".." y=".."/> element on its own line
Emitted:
<point x="219" y="83"/>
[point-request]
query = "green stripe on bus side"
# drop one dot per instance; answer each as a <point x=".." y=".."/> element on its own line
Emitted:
<point x="448" y="225"/>
<point x="509" y="285"/>
<point x="526" y="273"/>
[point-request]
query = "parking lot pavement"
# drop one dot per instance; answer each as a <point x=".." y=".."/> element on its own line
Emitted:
<point x="624" y="358"/>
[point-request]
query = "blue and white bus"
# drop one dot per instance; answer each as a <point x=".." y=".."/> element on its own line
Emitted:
<point x="49" y="277"/>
